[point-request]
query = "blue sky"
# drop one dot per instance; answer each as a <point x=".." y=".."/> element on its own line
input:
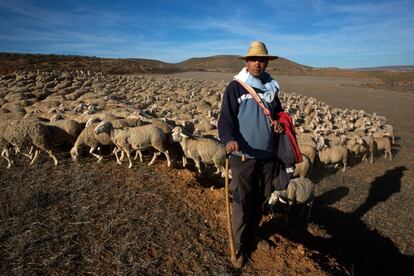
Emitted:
<point x="320" y="33"/>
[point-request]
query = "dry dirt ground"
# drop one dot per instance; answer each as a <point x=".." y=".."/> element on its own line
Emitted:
<point x="101" y="218"/>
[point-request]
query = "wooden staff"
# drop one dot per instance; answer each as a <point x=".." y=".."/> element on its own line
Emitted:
<point x="228" y="211"/>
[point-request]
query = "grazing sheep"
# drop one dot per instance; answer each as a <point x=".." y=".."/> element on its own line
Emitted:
<point x="300" y="191"/>
<point x="28" y="134"/>
<point x="119" y="137"/>
<point x="206" y="150"/>
<point x="88" y="138"/>
<point x="136" y="138"/>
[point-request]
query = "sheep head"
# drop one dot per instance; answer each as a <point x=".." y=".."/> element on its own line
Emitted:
<point x="92" y="120"/>
<point x="103" y="127"/>
<point x="178" y="134"/>
<point x="74" y="153"/>
<point x="320" y="143"/>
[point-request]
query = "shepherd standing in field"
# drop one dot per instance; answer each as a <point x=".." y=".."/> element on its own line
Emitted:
<point x="247" y="131"/>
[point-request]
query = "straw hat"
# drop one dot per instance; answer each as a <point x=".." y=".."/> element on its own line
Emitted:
<point x="258" y="49"/>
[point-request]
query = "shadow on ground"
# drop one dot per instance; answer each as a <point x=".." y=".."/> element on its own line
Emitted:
<point x="362" y="250"/>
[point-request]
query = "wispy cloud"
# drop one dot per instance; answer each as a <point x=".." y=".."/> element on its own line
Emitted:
<point x="317" y="33"/>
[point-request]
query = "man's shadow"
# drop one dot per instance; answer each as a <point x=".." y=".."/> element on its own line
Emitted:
<point x="381" y="189"/>
<point x="362" y="250"/>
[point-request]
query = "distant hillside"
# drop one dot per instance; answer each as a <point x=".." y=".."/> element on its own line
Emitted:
<point x="400" y="68"/>
<point x="233" y="64"/>
<point x="10" y="62"/>
<point x="394" y="78"/>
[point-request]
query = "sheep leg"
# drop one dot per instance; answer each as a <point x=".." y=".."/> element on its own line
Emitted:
<point x="31" y="150"/>
<point x="223" y="172"/>
<point x="218" y="171"/>
<point x="5" y="155"/>
<point x="153" y="158"/>
<point x="52" y="156"/>
<point x="364" y="157"/>
<point x="121" y="158"/>
<point x="198" y="166"/>
<point x="167" y="155"/>
<point x="128" y="154"/>
<point x="28" y="155"/>
<point x="99" y="157"/>
<point x="218" y="168"/>
<point x="344" y="165"/>
<point x="34" y="157"/>
<point x="138" y="153"/>
<point x="390" y="154"/>
<point x="115" y="152"/>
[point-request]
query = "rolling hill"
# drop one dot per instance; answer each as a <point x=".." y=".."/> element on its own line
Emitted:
<point x="388" y="77"/>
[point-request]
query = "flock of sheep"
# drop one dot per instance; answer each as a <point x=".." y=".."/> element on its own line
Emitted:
<point x="86" y="111"/>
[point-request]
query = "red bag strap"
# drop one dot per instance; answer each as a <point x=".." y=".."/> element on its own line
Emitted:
<point x="286" y="118"/>
<point x="259" y="101"/>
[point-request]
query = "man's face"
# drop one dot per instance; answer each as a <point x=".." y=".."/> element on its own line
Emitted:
<point x="256" y="65"/>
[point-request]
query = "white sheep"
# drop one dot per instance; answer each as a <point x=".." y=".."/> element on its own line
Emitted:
<point x="136" y="138"/>
<point x="300" y="191"/>
<point x="28" y="134"/>
<point x="384" y="143"/>
<point x="332" y="155"/>
<point x="206" y="150"/>
<point x="302" y="169"/>
<point x="88" y="138"/>
<point x="369" y="142"/>
<point x="357" y="146"/>
<point x="309" y="151"/>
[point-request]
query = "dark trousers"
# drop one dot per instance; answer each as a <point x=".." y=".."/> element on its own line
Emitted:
<point x="249" y="179"/>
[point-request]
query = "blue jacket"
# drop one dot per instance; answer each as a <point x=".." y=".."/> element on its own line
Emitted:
<point x="242" y="120"/>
